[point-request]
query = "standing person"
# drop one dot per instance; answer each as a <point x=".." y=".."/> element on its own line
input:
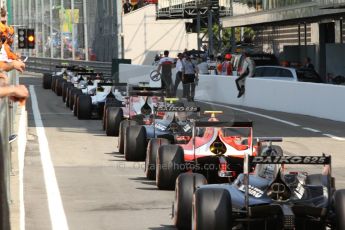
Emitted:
<point x="247" y="70"/>
<point x="166" y="64"/>
<point x="189" y="78"/>
<point x="219" y="65"/>
<point x="212" y="65"/>
<point x="227" y="65"/>
<point x="308" y="64"/>
<point x="127" y="7"/>
<point x="179" y="70"/>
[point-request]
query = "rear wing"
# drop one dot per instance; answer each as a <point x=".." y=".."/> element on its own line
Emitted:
<point x="303" y="160"/>
<point x="74" y="68"/>
<point x="89" y="73"/>
<point x="235" y="124"/>
<point x="142" y="91"/>
<point x="112" y="84"/>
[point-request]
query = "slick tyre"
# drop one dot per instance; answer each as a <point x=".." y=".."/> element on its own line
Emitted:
<point x="186" y="185"/>
<point x="135" y="143"/>
<point x="113" y="118"/>
<point x="84" y="107"/>
<point x="339" y="207"/>
<point x="58" y="87"/>
<point x="53" y="83"/>
<point x="212" y="209"/>
<point x="122" y="134"/>
<point x="169" y="160"/>
<point x="151" y="154"/>
<point x="47" y="81"/>
<point x="72" y="97"/>
<point x="65" y="85"/>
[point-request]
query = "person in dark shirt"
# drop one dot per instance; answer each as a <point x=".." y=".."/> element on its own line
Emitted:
<point x="308" y="64"/>
<point x="127" y="7"/>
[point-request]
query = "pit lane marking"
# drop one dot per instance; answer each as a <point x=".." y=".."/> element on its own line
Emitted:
<point x="22" y="140"/>
<point x="56" y="210"/>
<point x="312" y="130"/>
<point x="334" y="137"/>
<point x="254" y="113"/>
<point x="275" y="119"/>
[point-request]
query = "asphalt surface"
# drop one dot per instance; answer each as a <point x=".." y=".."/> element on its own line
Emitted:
<point x="99" y="190"/>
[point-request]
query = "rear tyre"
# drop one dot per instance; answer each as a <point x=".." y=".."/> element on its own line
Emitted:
<point x="113" y="119"/>
<point x="84" y="107"/>
<point x="58" y="87"/>
<point x="65" y="85"/>
<point x="135" y="143"/>
<point x="212" y="209"/>
<point x="72" y="97"/>
<point x="339" y="206"/>
<point x="53" y="83"/>
<point x="47" y="81"/>
<point x="168" y="166"/>
<point x="122" y="133"/>
<point x="186" y="185"/>
<point x="151" y="154"/>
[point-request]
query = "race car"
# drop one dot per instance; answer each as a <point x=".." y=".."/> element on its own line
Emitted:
<point x="216" y="150"/>
<point x="273" y="197"/>
<point x="175" y="127"/>
<point x="138" y="109"/>
<point x="91" y="104"/>
<point x="56" y="80"/>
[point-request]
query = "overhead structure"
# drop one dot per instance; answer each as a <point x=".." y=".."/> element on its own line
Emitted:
<point x="204" y="13"/>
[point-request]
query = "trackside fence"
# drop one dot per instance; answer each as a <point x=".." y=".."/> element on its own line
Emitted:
<point x="7" y="111"/>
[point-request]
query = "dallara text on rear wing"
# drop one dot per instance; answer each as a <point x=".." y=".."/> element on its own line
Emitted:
<point x="235" y="124"/>
<point x="310" y="160"/>
<point x="163" y="108"/>
<point x="90" y="74"/>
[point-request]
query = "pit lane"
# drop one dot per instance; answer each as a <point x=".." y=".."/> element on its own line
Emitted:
<point x="99" y="190"/>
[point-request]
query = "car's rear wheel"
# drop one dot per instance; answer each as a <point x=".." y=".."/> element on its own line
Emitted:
<point x="151" y="154"/>
<point x="135" y="143"/>
<point x="212" y="209"/>
<point x="339" y="207"/>
<point x="169" y="161"/>
<point x="186" y="185"/>
<point x="114" y="116"/>
<point x="72" y="97"/>
<point x="122" y="134"/>
<point x="84" y="107"/>
<point x="47" y="81"/>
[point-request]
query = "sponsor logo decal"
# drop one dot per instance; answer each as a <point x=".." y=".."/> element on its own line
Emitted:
<point x="291" y="160"/>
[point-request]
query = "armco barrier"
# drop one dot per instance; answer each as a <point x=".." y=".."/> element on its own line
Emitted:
<point x="47" y="65"/>
<point x="318" y="100"/>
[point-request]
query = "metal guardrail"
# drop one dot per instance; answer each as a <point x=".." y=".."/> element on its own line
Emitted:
<point x="47" y="65"/>
<point x="7" y="111"/>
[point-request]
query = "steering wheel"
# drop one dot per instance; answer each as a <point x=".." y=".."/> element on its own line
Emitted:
<point x="155" y="75"/>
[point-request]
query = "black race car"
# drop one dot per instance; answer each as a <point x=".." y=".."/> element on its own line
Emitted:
<point x="270" y="198"/>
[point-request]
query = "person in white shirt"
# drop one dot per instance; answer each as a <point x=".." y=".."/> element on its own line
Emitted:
<point x="166" y="64"/>
<point x="203" y="68"/>
<point x="179" y="70"/>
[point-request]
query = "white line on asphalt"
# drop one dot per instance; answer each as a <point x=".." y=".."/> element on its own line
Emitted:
<point x="334" y="137"/>
<point x="56" y="210"/>
<point x="312" y="130"/>
<point x="250" y="112"/>
<point x="21" y="157"/>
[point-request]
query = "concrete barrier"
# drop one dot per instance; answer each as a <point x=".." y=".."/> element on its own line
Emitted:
<point x="318" y="100"/>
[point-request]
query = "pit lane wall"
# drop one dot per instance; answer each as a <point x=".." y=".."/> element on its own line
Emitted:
<point x="318" y="100"/>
